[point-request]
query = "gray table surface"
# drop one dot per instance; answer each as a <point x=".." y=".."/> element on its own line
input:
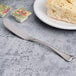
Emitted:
<point x="23" y="58"/>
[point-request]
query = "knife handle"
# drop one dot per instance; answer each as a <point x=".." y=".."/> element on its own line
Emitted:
<point x="65" y="56"/>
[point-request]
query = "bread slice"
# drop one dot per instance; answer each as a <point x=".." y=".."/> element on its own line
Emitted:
<point x="64" y="10"/>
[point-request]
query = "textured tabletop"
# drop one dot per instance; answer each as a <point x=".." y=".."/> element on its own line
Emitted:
<point x="23" y="58"/>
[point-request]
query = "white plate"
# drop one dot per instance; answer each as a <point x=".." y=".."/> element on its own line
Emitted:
<point x="40" y="11"/>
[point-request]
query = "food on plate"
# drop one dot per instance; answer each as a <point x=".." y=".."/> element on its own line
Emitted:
<point x="64" y="10"/>
<point x="4" y="9"/>
<point x="21" y="14"/>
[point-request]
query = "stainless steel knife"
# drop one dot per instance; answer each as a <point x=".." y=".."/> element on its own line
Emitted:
<point x="20" y="33"/>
